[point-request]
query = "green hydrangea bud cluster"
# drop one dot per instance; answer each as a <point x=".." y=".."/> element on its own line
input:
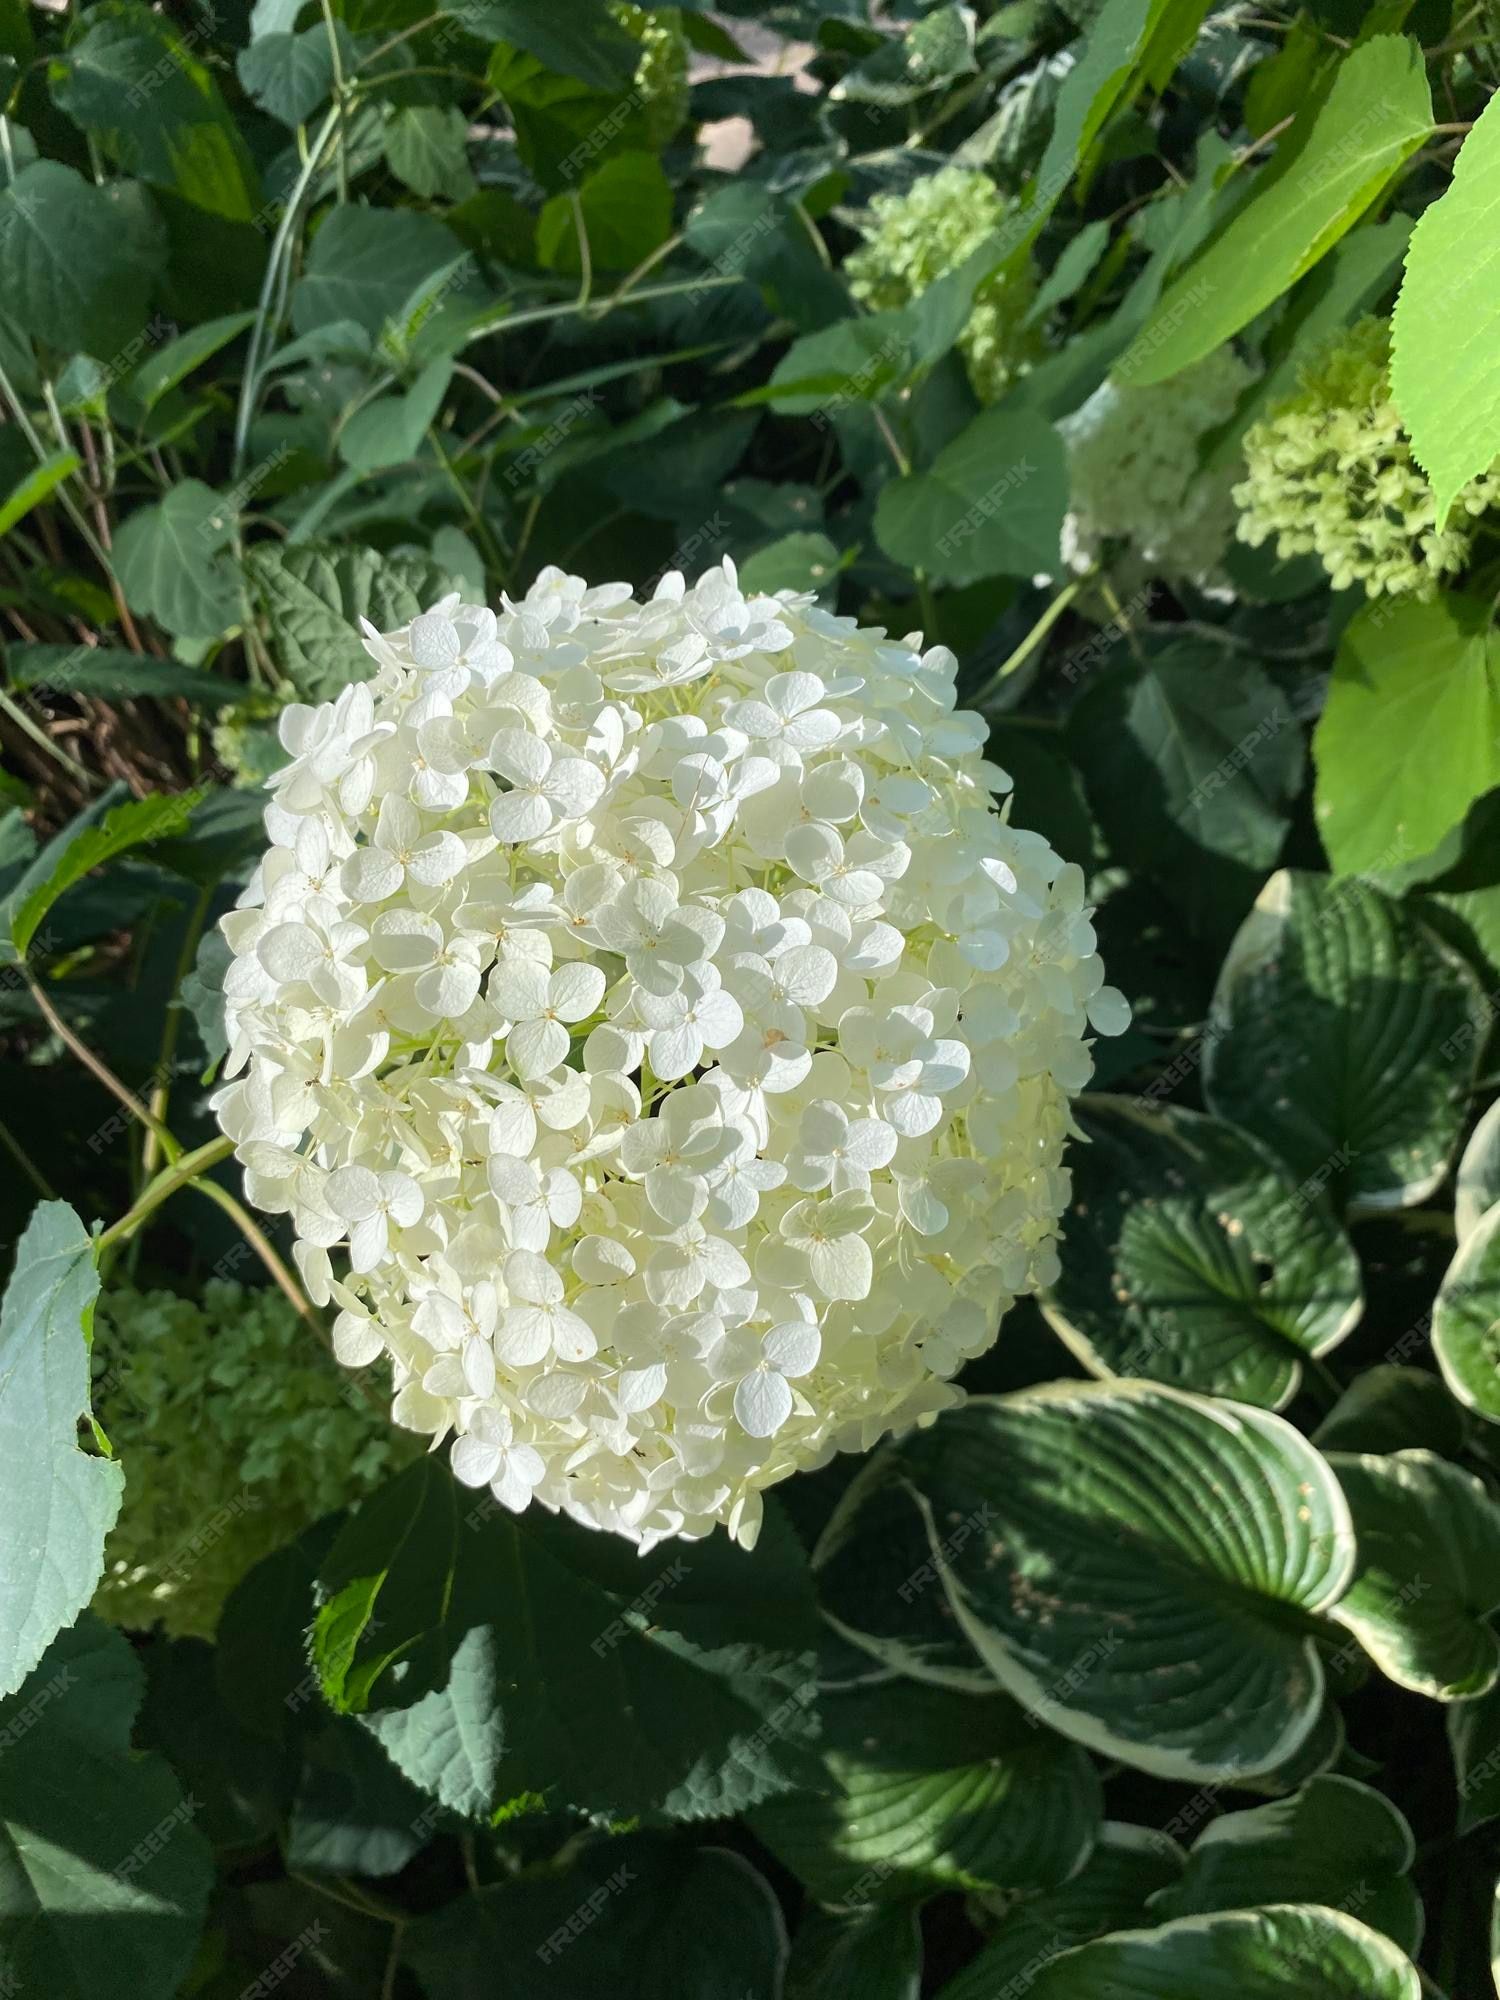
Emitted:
<point x="912" y="239"/>
<point x="661" y="75"/>
<point x="1134" y="473"/>
<point x="1330" y="473"/>
<point x="236" y="1430"/>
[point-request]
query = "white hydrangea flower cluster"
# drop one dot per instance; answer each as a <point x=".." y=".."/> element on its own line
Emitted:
<point x="1134" y="475"/>
<point x="650" y="1001"/>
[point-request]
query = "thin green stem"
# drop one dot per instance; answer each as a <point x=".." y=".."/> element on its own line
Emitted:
<point x="336" y="59"/>
<point x="263" y="1247"/>
<point x="163" y="1089"/>
<point x="24" y="1160"/>
<point x="1038" y="632"/>
<point x="183" y="1172"/>
<point x="96" y="1068"/>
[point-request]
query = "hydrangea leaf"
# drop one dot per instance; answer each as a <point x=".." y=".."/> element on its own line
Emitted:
<point x="1109" y="1893"/>
<point x="1287" y="1951"/>
<point x="992" y="503"/>
<point x="58" y="1502"/>
<point x="134" y="83"/>
<point x="637" y="1916"/>
<point x="874" y="1949"/>
<point x="627" y="213"/>
<point x="421" y="1632"/>
<point x="114" y="673"/>
<point x="1428" y="1573"/>
<point x="927" y="1789"/>
<point x="354" y="1813"/>
<point x="100" y="1862"/>
<point x="290" y="75"/>
<point x="172" y="564"/>
<point x="1090" y="1539"/>
<point x="365" y="264"/>
<point x="1410" y="734"/>
<point x="1377" y="113"/>
<point x="743" y="226"/>
<point x="426" y="148"/>
<point x="1193" y="1259"/>
<point x="1345" y="1036"/>
<point x="313" y="594"/>
<point x="1336" y="1842"/>
<point x="1444" y="329"/>
<point x="76" y="261"/>
<point x="792" y="562"/>
<point x="390" y="430"/>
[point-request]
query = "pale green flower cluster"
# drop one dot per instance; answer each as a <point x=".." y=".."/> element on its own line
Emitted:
<point x="1134" y="473"/>
<point x="236" y="1430"/>
<point x="1330" y="473"/>
<point x="661" y="75"/>
<point x="915" y="238"/>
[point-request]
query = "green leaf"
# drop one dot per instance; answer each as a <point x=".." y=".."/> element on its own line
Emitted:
<point x="418" y="1633"/>
<point x="1428" y="1574"/>
<point x="170" y="561"/>
<point x="992" y="503"/>
<point x="1091" y="1540"/>
<point x="658" y="1921"/>
<point x="1447" y="388"/>
<point x="578" y="37"/>
<point x="1410" y="735"/>
<point x="627" y="213"/>
<point x="1466" y="1319"/>
<point x="114" y="673"/>
<point x="1286" y="1952"/>
<point x="744" y="227"/>
<point x="354" y="1813"/>
<point x="76" y="264"/>
<point x="314" y="596"/>
<point x="1377" y="113"/>
<point x="1108" y="1893"/>
<point x="1387" y="1407"/>
<point x="1193" y="1259"/>
<point x="805" y="561"/>
<point x="390" y="431"/>
<point x="133" y="83"/>
<point x="36" y="486"/>
<point x="1477" y="1184"/>
<point x="936" y="50"/>
<point x="289" y="75"/>
<point x="101" y="831"/>
<point x="873" y="1951"/>
<point x="427" y="149"/>
<point x="366" y="263"/>
<point x="1345" y="1036"/>
<point x="100" y="1864"/>
<point x="173" y="363"/>
<point x="1474" y="1738"/>
<point x="1117" y="36"/>
<point x="927" y="1790"/>
<point x="1335" y="1842"/>
<point x="58" y="1502"/>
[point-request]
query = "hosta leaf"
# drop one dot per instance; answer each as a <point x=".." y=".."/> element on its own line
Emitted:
<point x="1428" y="1574"/>
<point x="1285" y="1952"/>
<point x="659" y="1920"/>
<point x="100" y="1863"/>
<point x="1448" y="389"/>
<point x="874" y="1950"/>
<point x="1335" y="1842"/>
<point x="314" y="595"/>
<point x="1377" y="114"/>
<point x="1474" y="1738"/>
<point x="1109" y="1893"/>
<point x="133" y="82"/>
<point x="1477" y="1186"/>
<point x="1193" y="1259"/>
<point x="171" y="562"/>
<point x="1410" y="734"/>
<point x="58" y="1502"/>
<point x="1096" y="1543"/>
<point x="419" y="1634"/>
<point x="927" y="1790"/>
<point x="1387" y="1408"/>
<point x="1345" y="1036"/>
<point x="1467" y="1319"/>
<point x="76" y="264"/>
<point x="992" y="503"/>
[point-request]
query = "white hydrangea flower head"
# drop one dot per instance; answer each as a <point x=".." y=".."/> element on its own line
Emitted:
<point x="1134" y="475"/>
<point x="660" y="1042"/>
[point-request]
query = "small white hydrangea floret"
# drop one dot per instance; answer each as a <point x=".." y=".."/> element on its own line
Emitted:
<point x="660" y="1042"/>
